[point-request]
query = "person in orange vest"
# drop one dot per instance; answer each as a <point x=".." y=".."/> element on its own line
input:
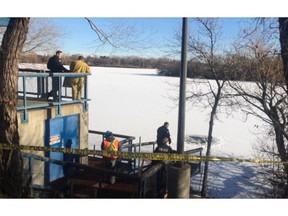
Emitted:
<point x="110" y="144"/>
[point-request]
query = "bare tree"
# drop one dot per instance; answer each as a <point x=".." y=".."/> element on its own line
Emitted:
<point x="283" y="33"/>
<point x="266" y="97"/>
<point x="121" y="37"/>
<point x="10" y="161"/>
<point x="43" y="36"/>
<point x="203" y="49"/>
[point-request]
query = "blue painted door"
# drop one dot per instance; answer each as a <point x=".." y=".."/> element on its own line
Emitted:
<point x="60" y="132"/>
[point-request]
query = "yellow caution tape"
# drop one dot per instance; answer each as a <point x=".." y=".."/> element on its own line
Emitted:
<point x="132" y="155"/>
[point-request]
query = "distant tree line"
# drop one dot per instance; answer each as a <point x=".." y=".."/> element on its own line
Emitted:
<point x="165" y="66"/>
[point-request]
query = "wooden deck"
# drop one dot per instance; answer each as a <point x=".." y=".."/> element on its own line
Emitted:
<point x="89" y="184"/>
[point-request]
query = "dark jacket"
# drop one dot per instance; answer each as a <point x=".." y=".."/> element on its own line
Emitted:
<point x="162" y="132"/>
<point x="162" y="149"/>
<point x="55" y="65"/>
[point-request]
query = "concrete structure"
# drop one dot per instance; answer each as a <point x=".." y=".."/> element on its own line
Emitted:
<point x="34" y="132"/>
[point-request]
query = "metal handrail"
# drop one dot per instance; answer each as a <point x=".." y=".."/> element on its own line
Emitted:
<point x="42" y="91"/>
<point x="116" y="135"/>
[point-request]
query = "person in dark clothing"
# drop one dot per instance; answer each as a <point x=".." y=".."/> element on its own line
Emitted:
<point x="55" y="65"/>
<point x="165" y="147"/>
<point x="162" y="173"/>
<point x="163" y="132"/>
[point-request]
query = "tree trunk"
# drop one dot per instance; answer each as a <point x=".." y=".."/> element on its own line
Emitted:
<point x="283" y="30"/>
<point x="11" y="161"/>
<point x="204" y="190"/>
<point x="280" y="145"/>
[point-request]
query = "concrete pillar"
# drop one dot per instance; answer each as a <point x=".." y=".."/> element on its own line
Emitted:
<point x="179" y="181"/>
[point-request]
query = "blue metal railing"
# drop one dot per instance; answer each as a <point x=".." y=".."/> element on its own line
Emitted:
<point x="42" y="91"/>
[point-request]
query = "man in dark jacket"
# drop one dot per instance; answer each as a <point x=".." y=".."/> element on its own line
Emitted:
<point x="162" y="173"/>
<point x="163" y="132"/>
<point x="55" y="65"/>
<point x="164" y="148"/>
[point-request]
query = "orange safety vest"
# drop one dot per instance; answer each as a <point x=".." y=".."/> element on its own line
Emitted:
<point x="111" y="146"/>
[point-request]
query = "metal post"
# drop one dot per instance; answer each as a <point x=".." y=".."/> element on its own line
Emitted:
<point x="60" y="89"/>
<point x="39" y="90"/>
<point x="30" y="173"/>
<point x="46" y="84"/>
<point x="25" y="114"/>
<point x="42" y="85"/>
<point x="86" y="94"/>
<point x="178" y="181"/>
<point x="59" y="111"/>
<point x="182" y="94"/>
<point x="130" y="160"/>
<point x="139" y="160"/>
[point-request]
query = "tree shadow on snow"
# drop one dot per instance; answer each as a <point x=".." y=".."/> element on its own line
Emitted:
<point x="233" y="180"/>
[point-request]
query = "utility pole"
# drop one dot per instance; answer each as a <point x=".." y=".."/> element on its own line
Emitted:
<point x="182" y="91"/>
<point x="179" y="175"/>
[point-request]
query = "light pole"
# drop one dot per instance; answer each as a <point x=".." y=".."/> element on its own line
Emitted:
<point x="182" y="90"/>
<point x="179" y="175"/>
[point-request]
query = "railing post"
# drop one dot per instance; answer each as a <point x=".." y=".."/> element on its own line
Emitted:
<point x="24" y="116"/>
<point x="86" y="94"/>
<point x="130" y="150"/>
<point x="39" y="85"/>
<point x="46" y="84"/>
<point x="30" y="171"/>
<point x="139" y="161"/>
<point x="58" y="113"/>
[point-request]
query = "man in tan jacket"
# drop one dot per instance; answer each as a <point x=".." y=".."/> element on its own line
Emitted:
<point x="79" y="66"/>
